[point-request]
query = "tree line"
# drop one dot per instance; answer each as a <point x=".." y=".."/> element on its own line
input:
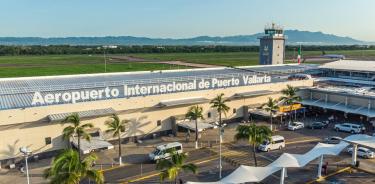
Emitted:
<point x="70" y="49"/>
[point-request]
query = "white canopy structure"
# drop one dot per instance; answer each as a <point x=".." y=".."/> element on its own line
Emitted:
<point x="362" y="139"/>
<point x="245" y="174"/>
<point x="301" y="160"/>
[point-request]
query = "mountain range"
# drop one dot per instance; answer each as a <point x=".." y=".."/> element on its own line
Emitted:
<point x="294" y="37"/>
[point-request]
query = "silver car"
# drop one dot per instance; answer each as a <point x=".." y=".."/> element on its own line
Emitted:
<point x="332" y="140"/>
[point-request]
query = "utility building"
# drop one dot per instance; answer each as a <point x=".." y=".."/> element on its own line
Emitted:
<point x="272" y="46"/>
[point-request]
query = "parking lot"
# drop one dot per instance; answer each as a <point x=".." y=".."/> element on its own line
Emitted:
<point x="139" y="170"/>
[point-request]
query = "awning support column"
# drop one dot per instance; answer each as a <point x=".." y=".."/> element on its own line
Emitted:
<point x="320" y="167"/>
<point x="354" y="154"/>
<point x="282" y="176"/>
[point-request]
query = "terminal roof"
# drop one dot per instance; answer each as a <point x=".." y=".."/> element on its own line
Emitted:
<point x="10" y="86"/>
<point x="350" y="65"/>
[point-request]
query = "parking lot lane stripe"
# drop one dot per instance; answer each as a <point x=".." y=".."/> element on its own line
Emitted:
<point x="329" y="175"/>
<point x="303" y="141"/>
<point x="155" y="174"/>
<point x="115" y="167"/>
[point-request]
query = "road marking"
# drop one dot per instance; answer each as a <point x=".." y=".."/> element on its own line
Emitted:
<point x="303" y="141"/>
<point x="115" y="167"/>
<point x="151" y="174"/>
<point x="329" y="175"/>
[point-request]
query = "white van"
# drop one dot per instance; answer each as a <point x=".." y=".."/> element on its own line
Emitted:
<point x="162" y="151"/>
<point x="277" y="142"/>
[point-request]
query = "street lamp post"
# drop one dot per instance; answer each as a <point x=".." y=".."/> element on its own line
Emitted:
<point x="26" y="152"/>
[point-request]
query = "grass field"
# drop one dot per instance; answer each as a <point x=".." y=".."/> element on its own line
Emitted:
<point x="225" y="59"/>
<point x="21" y="66"/>
<point x="244" y="58"/>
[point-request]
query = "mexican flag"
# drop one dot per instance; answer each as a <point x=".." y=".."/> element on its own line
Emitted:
<point x="299" y="55"/>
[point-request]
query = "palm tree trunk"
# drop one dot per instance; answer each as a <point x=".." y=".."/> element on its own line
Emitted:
<point x="79" y="146"/>
<point x="271" y="119"/>
<point x="196" y="134"/>
<point x="255" y="157"/>
<point x="221" y="126"/>
<point x="119" y="149"/>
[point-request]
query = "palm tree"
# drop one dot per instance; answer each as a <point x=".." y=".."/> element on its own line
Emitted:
<point x="271" y="107"/>
<point x="195" y="113"/>
<point x="66" y="168"/>
<point x="172" y="167"/>
<point x="116" y="127"/>
<point x="219" y="104"/>
<point x="255" y="135"/>
<point x="76" y="129"/>
<point x="290" y="96"/>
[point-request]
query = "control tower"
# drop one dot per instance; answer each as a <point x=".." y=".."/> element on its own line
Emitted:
<point x="272" y="45"/>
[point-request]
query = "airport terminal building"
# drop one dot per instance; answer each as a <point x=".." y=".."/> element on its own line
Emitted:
<point x="155" y="103"/>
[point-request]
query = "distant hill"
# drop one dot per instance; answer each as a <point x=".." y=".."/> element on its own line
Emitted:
<point x="294" y="37"/>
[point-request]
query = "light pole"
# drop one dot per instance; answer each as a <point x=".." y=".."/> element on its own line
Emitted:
<point x="26" y="152"/>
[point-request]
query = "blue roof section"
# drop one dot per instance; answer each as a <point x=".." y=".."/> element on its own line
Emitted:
<point x="55" y="83"/>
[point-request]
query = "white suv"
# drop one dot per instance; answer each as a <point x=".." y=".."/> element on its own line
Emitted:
<point x="362" y="152"/>
<point x="348" y="127"/>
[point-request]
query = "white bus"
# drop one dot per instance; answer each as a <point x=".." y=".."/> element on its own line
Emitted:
<point x="162" y="151"/>
<point x="277" y="142"/>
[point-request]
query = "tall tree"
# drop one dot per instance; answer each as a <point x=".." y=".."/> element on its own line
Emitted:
<point x="290" y="96"/>
<point x="271" y="107"/>
<point x="194" y="113"/>
<point x="76" y="129"/>
<point x="219" y="103"/>
<point x="116" y="127"/>
<point x="172" y="167"/>
<point x="67" y="168"/>
<point x="255" y="135"/>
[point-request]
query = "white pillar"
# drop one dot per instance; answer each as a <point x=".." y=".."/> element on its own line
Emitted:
<point x="320" y="167"/>
<point x="27" y="170"/>
<point x="282" y="175"/>
<point x="354" y="154"/>
<point x="220" y="164"/>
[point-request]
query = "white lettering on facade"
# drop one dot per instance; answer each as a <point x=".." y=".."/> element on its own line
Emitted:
<point x="146" y="89"/>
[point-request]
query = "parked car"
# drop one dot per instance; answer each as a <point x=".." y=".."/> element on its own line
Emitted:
<point x="348" y="127"/>
<point x="362" y="152"/>
<point x="332" y="140"/>
<point x="295" y="126"/>
<point x="317" y="125"/>
<point x="277" y="142"/>
<point x="162" y="151"/>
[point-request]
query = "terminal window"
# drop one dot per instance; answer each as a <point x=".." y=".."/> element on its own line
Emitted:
<point x="48" y="140"/>
<point x="158" y="123"/>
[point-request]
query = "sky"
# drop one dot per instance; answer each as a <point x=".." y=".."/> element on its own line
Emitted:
<point x="183" y="18"/>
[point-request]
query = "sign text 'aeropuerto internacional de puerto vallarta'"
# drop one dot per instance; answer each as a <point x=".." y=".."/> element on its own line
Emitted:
<point x="111" y="92"/>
